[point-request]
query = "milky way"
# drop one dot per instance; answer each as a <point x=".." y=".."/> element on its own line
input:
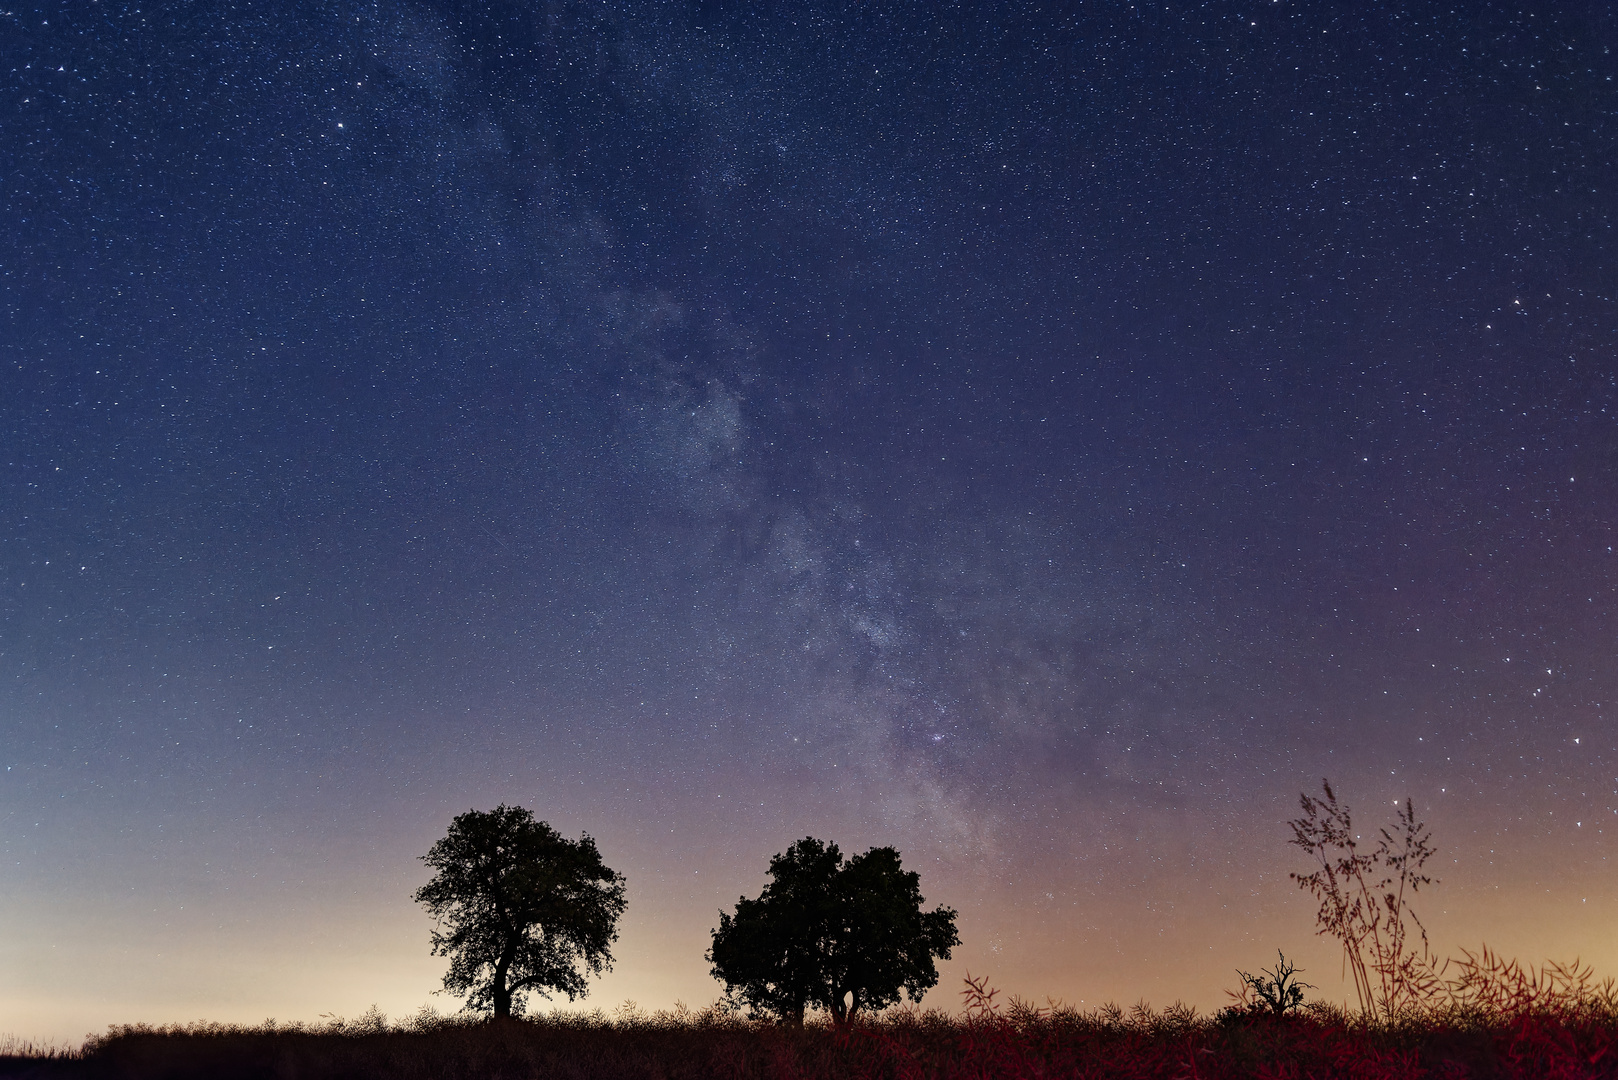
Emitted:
<point x="1046" y="443"/>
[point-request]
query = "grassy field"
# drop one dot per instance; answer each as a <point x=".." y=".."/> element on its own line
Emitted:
<point x="1542" y="1041"/>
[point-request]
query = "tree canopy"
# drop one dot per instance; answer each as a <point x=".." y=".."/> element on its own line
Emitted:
<point x="519" y="909"/>
<point x="824" y="933"/>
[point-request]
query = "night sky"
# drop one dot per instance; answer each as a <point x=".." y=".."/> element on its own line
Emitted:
<point x="1043" y="439"/>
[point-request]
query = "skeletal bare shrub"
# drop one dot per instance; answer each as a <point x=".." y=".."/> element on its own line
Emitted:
<point x="1365" y="902"/>
<point x="1275" y="992"/>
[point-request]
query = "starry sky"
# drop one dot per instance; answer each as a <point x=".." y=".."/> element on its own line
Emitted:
<point x="1043" y="438"/>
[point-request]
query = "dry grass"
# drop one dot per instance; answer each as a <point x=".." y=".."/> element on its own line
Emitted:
<point x="1493" y="1019"/>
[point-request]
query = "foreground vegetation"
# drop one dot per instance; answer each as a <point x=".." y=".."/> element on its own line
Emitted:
<point x="1495" y="1020"/>
<point x="1418" y="1016"/>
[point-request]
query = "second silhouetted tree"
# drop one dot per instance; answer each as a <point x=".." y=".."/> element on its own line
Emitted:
<point x="844" y="937"/>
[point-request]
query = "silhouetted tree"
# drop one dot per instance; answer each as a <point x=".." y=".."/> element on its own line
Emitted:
<point x="843" y="937"/>
<point x="883" y="941"/>
<point x="520" y="908"/>
<point x="771" y="954"/>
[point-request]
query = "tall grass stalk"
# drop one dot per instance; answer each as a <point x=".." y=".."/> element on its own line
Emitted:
<point x="1365" y="901"/>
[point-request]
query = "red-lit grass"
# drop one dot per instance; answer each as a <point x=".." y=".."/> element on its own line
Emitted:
<point x="1492" y="1019"/>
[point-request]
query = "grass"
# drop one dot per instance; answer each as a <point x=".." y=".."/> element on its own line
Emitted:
<point x="1505" y="1022"/>
<point x="24" y="1058"/>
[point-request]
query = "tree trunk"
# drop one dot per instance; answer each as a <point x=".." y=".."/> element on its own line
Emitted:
<point x="500" y="991"/>
<point x="839" y="1009"/>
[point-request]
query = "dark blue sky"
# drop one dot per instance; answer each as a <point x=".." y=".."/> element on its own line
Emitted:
<point x="1043" y="440"/>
